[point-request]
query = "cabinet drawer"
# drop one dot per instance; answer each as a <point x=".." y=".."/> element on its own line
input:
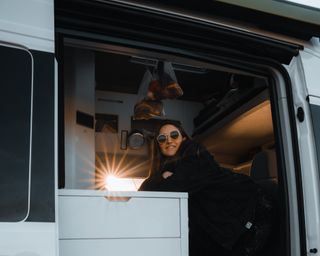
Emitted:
<point x="98" y="217"/>
<point x="121" y="247"/>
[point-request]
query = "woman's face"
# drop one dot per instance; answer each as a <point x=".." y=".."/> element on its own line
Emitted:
<point x="169" y="139"/>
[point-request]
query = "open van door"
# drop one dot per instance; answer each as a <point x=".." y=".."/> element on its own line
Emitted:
<point x="27" y="177"/>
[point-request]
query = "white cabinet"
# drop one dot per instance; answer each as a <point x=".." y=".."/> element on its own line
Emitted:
<point x="93" y="223"/>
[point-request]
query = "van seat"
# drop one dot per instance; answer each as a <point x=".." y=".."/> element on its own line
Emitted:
<point x="264" y="171"/>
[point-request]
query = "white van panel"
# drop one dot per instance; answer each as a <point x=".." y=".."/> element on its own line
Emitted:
<point x="315" y="100"/>
<point x="29" y="23"/>
<point x="27" y="239"/>
<point x="281" y="8"/>
<point x="311" y="64"/>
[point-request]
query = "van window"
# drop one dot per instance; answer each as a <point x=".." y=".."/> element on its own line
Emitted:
<point x="15" y="107"/>
<point x="315" y="112"/>
<point x="228" y="112"/>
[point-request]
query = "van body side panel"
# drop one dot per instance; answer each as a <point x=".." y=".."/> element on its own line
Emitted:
<point x="304" y="78"/>
<point x="28" y="239"/>
<point x="29" y="23"/>
<point x="311" y="63"/>
<point x="37" y="234"/>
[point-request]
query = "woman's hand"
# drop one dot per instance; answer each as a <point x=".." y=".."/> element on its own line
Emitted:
<point x="166" y="174"/>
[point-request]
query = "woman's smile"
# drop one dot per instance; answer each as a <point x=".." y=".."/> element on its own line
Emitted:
<point x="171" y="148"/>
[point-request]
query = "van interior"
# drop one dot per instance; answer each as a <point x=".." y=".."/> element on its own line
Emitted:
<point x="227" y="110"/>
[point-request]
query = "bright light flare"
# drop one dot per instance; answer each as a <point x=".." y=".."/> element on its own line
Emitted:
<point x="113" y="183"/>
<point x="118" y="170"/>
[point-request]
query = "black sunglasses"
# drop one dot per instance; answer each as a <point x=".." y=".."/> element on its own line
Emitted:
<point x="162" y="138"/>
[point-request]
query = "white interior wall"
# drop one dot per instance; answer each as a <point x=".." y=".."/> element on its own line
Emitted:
<point x="115" y="103"/>
<point x="79" y="140"/>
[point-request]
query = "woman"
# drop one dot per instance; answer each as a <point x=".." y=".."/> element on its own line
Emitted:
<point x="223" y="217"/>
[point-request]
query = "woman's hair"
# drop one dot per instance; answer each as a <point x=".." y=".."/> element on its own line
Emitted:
<point x="157" y="156"/>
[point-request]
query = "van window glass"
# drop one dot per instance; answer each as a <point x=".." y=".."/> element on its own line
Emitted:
<point x="15" y="109"/>
<point x="315" y="112"/>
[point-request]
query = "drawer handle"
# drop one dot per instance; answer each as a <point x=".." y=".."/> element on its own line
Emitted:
<point x="118" y="198"/>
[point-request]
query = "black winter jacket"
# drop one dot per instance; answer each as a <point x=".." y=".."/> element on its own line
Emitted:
<point x="221" y="203"/>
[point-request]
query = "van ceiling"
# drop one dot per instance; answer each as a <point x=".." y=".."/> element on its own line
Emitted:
<point x="116" y="72"/>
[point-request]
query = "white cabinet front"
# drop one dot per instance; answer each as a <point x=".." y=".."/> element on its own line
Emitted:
<point x="98" y="217"/>
<point x="121" y="247"/>
<point x="93" y="223"/>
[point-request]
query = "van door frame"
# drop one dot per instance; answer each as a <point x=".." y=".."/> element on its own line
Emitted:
<point x="282" y="109"/>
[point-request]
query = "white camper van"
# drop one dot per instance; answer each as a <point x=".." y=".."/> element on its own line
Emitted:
<point x="71" y="74"/>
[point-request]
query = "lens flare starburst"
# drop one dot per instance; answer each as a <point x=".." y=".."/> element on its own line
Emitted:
<point x="115" y="172"/>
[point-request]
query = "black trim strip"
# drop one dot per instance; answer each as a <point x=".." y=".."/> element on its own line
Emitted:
<point x="59" y="51"/>
<point x="42" y="200"/>
<point x="130" y="23"/>
<point x="266" y="21"/>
